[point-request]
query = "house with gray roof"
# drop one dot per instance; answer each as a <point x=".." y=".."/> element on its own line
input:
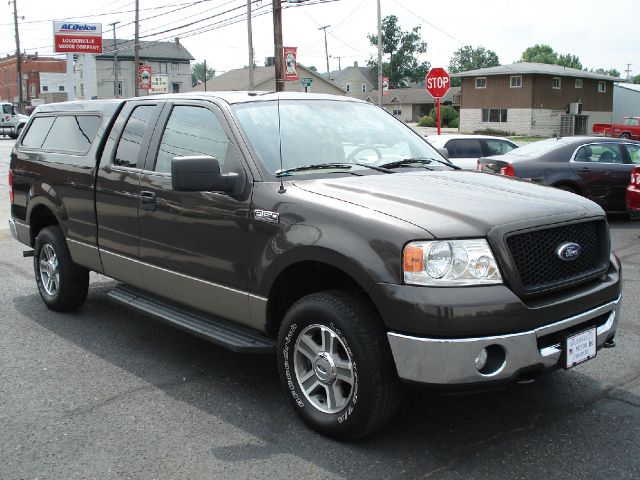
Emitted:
<point x="535" y="99"/>
<point x="409" y="104"/>
<point x="264" y="79"/>
<point x="355" y="80"/>
<point x="170" y="64"/>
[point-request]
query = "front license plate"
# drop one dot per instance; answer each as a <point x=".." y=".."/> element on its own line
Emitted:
<point x="580" y="347"/>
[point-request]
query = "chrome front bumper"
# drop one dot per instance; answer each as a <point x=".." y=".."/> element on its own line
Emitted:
<point x="452" y="361"/>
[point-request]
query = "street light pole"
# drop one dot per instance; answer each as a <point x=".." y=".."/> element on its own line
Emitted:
<point x="326" y="50"/>
<point x="379" y="56"/>
<point x="18" y="56"/>
<point x="115" y="61"/>
<point x="136" y="50"/>
<point x="277" y="44"/>
<point x="251" y="85"/>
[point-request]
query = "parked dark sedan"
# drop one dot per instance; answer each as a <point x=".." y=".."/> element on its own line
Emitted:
<point x="595" y="167"/>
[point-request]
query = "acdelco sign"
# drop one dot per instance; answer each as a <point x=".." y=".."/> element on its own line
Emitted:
<point x="71" y="37"/>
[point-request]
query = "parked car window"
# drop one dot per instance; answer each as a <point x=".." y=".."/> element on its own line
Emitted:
<point x="499" y="147"/>
<point x="191" y="131"/>
<point x="134" y="130"/>
<point x="634" y="153"/>
<point x="71" y="133"/>
<point x="6" y="109"/>
<point x="464" y="148"/>
<point x="634" y="122"/>
<point x="609" y="153"/>
<point x="37" y="132"/>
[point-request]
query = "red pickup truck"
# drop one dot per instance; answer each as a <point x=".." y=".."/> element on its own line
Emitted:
<point x="629" y="128"/>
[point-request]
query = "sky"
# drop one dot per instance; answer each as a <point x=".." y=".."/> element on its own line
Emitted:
<point x="601" y="34"/>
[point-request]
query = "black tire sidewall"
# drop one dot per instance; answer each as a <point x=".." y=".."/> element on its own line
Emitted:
<point x="308" y="312"/>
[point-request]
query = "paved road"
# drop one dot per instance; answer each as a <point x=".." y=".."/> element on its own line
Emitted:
<point x="104" y="393"/>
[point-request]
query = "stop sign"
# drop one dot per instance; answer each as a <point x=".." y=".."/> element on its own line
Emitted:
<point x="437" y="82"/>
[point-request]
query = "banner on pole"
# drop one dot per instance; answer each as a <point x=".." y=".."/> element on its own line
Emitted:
<point x="144" y="78"/>
<point x="385" y="86"/>
<point x="290" y="65"/>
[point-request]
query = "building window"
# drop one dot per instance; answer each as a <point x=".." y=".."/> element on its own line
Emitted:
<point x="82" y="89"/>
<point x="516" y="81"/>
<point x="578" y="83"/>
<point x="162" y="67"/>
<point x="364" y="88"/>
<point x="119" y="91"/>
<point x="176" y="88"/>
<point x="348" y="88"/>
<point x="481" y="82"/>
<point x="397" y="111"/>
<point x="556" y="83"/>
<point x="32" y="90"/>
<point x="61" y="88"/>
<point x="495" y="115"/>
<point x="602" y="87"/>
<point x="45" y="88"/>
<point x="175" y="66"/>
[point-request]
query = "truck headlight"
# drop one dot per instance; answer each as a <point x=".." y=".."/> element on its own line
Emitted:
<point x="450" y="263"/>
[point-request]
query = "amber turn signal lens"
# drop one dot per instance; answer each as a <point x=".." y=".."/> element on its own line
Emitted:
<point x="413" y="259"/>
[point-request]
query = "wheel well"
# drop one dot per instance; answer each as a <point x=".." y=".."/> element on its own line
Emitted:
<point x="40" y="218"/>
<point x="299" y="280"/>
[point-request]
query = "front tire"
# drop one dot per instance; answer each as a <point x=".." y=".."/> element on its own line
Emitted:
<point x="336" y="365"/>
<point x="62" y="284"/>
<point x="625" y="135"/>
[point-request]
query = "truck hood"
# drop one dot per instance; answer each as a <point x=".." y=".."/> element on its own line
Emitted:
<point x="451" y="204"/>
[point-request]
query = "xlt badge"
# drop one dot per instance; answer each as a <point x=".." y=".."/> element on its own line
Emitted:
<point x="266" y="216"/>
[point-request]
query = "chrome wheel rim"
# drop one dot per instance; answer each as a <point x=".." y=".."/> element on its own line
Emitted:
<point x="49" y="271"/>
<point x="323" y="368"/>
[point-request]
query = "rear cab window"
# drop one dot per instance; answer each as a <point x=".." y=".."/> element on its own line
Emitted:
<point x="64" y="133"/>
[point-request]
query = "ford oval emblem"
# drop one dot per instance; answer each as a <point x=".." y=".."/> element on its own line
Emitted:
<point x="568" y="251"/>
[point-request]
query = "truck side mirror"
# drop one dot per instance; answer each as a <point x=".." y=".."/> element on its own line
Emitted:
<point x="200" y="174"/>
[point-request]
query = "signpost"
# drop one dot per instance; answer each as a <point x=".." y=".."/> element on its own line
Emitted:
<point x="306" y="82"/>
<point x="437" y="83"/>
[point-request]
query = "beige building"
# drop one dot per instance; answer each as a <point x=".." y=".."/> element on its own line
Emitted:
<point x="265" y="80"/>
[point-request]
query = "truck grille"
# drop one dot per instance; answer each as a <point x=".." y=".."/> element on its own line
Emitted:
<point x="540" y="268"/>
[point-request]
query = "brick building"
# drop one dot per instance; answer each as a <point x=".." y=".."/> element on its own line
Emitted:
<point x="32" y="80"/>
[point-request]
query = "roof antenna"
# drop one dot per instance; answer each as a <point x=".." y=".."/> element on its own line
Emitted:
<point x="281" y="189"/>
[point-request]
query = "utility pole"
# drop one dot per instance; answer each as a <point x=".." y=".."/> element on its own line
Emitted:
<point x="339" y="63"/>
<point x="326" y="50"/>
<point x="136" y="49"/>
<point x="115" y="61"/>
<point x="251" y="86"/>
<point x="379" y="56"/>
<point x="277" y="44"/>
<point x="18" y="57"/>
<point x="205" y="74"/>
<point x="628" y="70"/>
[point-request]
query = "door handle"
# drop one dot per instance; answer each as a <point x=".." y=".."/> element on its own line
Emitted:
<point x="585" y="169"/>
<point x="147" y="200"/>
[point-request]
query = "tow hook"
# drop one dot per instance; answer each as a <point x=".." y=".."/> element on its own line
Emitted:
<point x="610" y="343"/>
<point x="28" y="253"/>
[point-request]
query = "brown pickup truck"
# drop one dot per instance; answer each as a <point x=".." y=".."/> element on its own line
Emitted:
<point x="319" y="229"/>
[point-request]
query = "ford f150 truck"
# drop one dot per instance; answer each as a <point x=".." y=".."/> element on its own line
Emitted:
<point x="629" y="128"/>
<point x="11" y="122"/>
<point x="318" y="228"/>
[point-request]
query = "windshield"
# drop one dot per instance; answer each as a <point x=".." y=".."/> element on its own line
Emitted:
<point x="536" y="148"/>
<point x="319" y="132"/>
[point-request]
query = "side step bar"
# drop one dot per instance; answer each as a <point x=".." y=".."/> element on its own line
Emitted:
<point x="237" y="338"/>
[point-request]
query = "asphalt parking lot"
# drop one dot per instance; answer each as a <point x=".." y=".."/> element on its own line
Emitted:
<point x="105" y="393"/>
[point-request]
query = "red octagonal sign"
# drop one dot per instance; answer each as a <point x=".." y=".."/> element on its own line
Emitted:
<point x="437" y="82"/>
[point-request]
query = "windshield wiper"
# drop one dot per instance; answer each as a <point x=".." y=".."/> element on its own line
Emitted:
<point x="329" y="166"/>
<point x="406" y="162"/>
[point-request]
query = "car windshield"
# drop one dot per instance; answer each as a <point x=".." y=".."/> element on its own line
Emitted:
<point x="538" y="148"/>
<point x="328" y="132"/>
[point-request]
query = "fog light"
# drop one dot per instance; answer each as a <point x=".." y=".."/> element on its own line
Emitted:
<point x="481" y="359"/>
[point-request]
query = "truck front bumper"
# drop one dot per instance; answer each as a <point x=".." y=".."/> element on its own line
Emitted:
<point x="452" y="361"/>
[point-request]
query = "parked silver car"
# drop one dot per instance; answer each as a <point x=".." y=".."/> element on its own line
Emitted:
<point x="465" y="150"/>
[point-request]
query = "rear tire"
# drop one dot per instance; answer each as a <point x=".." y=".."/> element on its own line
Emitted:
<point x="62" y="284"/>
<point x="625" y="135"/>
<point x="336" y="365"/>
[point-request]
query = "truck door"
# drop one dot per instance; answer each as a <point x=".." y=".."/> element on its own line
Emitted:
<point x="117" y="186"/>
<point x="194" y="246"/>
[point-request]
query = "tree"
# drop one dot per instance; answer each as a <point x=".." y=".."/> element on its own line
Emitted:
<point x="197" y="73"/>
<point x="612" y="72"/>
<point x="636" y="79"/>
<point x="469" y="58"/>
<point x="570" y="61"/>
<point x="540" y="53"/>
<point x="402" y="48"/>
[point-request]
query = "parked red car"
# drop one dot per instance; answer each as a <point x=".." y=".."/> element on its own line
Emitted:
<point x="633" y="191"/>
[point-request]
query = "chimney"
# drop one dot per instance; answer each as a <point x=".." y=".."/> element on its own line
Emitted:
<point x="355" y="64"/>
<point x="177" y="39"/>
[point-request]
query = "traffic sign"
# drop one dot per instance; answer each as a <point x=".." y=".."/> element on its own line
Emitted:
<point x="437" y="82"/>
<point x="306" y="81"/>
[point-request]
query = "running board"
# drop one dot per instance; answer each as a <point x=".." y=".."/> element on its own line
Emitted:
<point x="237" y="338"/>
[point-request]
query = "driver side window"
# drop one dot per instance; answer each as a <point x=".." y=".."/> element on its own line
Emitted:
<point x="191" y="131"/>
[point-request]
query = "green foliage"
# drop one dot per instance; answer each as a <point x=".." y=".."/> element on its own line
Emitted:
<point x="636" y="79"/>
<point x="494" y="132"/>
<point x="197" y="73"/>
<point x="469" y="58"/>
<point x="426" y="121"/>
<point x="612" y="72"/>
<point x="455" y="123"/>
<point x="540" y="53"/>
<point x="402" y="48"/>
<point x="569" y="61"/>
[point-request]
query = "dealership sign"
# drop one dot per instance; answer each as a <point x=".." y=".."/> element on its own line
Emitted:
<point x="159" y="83"/>
<point x="71" y="37"/>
